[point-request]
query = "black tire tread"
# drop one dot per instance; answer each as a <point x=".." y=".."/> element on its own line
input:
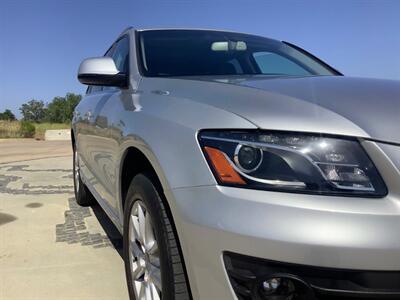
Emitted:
<point x="181" y="291"/>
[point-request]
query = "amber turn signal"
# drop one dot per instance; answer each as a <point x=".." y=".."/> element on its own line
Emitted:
<point x="225" y="172"/>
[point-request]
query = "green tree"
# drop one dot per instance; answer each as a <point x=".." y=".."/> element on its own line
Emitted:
<point x="7" y="115"/>
<point x="56" y="110"/>
<point x="72" y="101"/>
<point x="34" y="111"/>
<point x="61" y="109"/>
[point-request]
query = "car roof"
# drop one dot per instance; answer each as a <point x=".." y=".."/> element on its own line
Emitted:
<point x="188" y="29"/>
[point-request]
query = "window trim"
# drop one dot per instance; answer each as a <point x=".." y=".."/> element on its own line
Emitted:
<point x="337" y="73"/>
<point x="139" y="57"/>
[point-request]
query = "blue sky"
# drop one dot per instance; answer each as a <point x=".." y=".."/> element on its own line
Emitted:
<point x="43" y="41"/>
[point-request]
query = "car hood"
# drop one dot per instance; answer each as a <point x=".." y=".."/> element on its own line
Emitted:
<point x="368" y="108"/>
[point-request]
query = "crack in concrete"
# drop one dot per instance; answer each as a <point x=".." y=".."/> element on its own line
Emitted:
<point x="5" y="180"/>
<point x="50" y="186"/>
<point x="22" y="168"/>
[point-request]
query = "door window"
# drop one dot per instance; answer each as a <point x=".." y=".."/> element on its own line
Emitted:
<point x="121" y="55"/>
<point x="97" y="88"/>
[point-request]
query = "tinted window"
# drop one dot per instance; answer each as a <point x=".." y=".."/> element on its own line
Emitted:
<point x="200" y="52"/>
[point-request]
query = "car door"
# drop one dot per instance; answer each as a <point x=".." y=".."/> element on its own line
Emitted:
<point x="100" y="143"/>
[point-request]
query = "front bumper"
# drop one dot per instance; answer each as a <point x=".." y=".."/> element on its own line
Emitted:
<point x="329" y="232"/>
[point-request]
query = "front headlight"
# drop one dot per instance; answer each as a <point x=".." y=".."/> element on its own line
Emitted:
<point x="291" y="162"/>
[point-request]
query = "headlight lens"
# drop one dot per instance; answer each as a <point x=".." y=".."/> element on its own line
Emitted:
<point x="291" y="162"/>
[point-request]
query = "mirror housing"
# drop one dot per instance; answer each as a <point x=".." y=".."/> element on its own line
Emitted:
<point x="101" y="71"/>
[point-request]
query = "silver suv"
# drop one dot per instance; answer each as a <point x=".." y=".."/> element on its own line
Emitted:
<point x="241" y="167"/>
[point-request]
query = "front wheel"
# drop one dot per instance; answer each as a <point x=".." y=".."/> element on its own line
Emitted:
<point x="153" y="264"/>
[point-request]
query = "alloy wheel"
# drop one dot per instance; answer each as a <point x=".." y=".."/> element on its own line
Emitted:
<point x="144" y="255"/>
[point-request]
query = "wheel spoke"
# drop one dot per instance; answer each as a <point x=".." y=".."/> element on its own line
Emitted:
<point x="135" y="228"/>
<point x="140" y="290"/>
<point x="149" y="239"/>
<point x="148" y="291"/>
<point x="142" y="225"/>
<point x="136" y="250"/>
<point x="153" y="249"/>
<point x="155" y="275"/>
<point x="137" y="272"/>
<point x="154" y="291"/>
<point x="154" y="260"/>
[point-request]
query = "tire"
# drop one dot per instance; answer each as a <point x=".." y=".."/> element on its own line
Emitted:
<point x="159" y="246"/>
<point x="82" y="194"/>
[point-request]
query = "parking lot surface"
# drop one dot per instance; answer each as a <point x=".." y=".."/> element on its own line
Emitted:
<point x="50" y="248"/>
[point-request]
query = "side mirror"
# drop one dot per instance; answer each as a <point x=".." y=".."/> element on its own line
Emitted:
<point x="101" y="71"/>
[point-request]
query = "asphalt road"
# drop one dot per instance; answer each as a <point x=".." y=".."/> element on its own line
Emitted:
<point x="50" y="248"/>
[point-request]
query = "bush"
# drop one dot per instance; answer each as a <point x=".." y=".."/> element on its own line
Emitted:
<point x="10" y="129"/>
<point x="27" y="129"/>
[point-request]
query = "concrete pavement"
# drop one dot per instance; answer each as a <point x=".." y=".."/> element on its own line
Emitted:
<point x="50" y="248"/>
<point x="28" y="149"/>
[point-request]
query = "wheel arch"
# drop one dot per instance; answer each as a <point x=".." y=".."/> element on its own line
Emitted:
<point x="136" y="159"/>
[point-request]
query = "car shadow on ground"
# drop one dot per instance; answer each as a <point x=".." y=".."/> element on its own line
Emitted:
<point x="75" y="228"/>
<point x="109" y="228"/>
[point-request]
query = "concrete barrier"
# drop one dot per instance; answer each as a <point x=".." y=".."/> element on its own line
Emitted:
<point x="57" y="135"/>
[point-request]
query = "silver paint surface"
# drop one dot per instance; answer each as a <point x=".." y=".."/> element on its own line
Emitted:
<point x="161" y="117"/>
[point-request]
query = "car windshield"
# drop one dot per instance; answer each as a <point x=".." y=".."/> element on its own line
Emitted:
<point x="202" y="53"/>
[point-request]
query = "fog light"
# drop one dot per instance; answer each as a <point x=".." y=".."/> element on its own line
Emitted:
<point x="278" y="288"/>
<point x="271" y="285"/>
